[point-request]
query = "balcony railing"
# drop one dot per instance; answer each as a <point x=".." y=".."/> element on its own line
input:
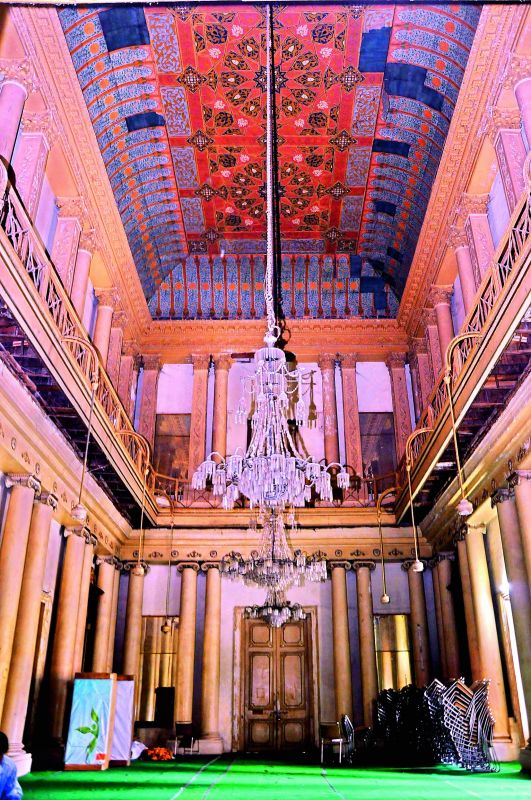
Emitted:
<point x="507" y="278"/>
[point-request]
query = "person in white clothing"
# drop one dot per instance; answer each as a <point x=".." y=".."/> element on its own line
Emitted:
<point x="10" y="788"/>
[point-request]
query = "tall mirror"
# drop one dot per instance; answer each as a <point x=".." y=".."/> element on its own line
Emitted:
<point x="391" y="633"/>
<point x="158" y="662"/>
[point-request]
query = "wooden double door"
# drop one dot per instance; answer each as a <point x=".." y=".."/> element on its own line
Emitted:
<point x="278" y="687"/>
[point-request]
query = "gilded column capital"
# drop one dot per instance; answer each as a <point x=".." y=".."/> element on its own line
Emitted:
<point x="139" y="568"/>
<point x="441" y="295"/>
<point x="107" y="298"/>
<point x="187" y="565"/>
<point x="87" y="241"/>
<point x="208" y="565"/>
<point x="23" y="479"/>
<point x="71" y="207"/>
<point x="120" y="319"/>
<point x="427" y="317"/>
<point x="346" y="565"/>
<point x="77" y="530"/>
<point x="152" y="363"/>
<point x="501" y="496"/>
<point x="406" y="565"/>
<point x="49" y="499"/>
<point x="457" y="237"/>
<point x="446" y="555"/>
<point x="519" y="476"/>
<point x="370" y="565"/>
<point x="418" y="345"/>
<point x="200" y="361"/>
<point x="472" y="204"/>
<point x="40" y="122"/>
<point x="113" y="561"/>
<point x="503" y="119"/>
<point x="130" y="348"/>
<point x="348" y="360"/>
<point x="20" y="71"/>
<point x="395" y="360"/>
<point x="222" y="361"/>
<point x="327" y="361"/>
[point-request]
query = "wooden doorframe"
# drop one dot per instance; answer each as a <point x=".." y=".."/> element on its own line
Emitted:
<point x="238" y="672"/>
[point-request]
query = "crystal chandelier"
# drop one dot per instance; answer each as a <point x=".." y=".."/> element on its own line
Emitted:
<point x="272" y="474"/>
<point x="276" y="610"/>
<point x="274" y="566"/>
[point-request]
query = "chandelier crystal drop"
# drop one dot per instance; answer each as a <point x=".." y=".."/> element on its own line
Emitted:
<point x="276" y="610"/>
<point x="274" y="566"/>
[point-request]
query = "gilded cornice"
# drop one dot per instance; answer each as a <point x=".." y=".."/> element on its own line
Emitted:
<point x="45" y="45"/>
<point x="490" y="52"/>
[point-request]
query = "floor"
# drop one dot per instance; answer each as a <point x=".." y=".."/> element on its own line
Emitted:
<point x="235" y="778"/>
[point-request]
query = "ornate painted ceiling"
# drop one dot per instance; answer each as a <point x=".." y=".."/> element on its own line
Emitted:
<point x="365" y="95"/>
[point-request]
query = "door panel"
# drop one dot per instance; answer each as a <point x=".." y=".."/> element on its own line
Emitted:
<point x="277" y="702"/>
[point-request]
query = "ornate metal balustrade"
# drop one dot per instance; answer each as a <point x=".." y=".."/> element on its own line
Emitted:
<point x="488" y="325"/>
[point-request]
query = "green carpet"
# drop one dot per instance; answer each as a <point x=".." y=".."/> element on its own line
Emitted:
<point x="234" y="778"/>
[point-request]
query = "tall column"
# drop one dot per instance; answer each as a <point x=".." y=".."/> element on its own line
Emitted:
<point x="444" y="576"/>
<point x="84" y="590"/>
<point x="521" y="481"/>
<point x="126" y="387"/>
<point x="106" y="573"/>
<point x="396" y="364"/>
<point x="341" y="641"/>
<point x="466" y="275"/>
<point x="186" y="648"/>
<point x="114" y="354"/>
<point x="438" y="616"/>
<point x="133" y="619"/>
<point x="468" y="605"/>
<point x="12" y="98"/>
<point x="12" y="555"/>
<point x="81" y="271"/>
<point x="103" y="324"/>
<point x="222" y="364"/>
<point x="510" y="153"/>
<point x="30" y="160"/>
<point x="211" y="655"/>
<point x="419" y="625"/>
<point x="522" y="92"/>
<point x="327" y="365"/>
<point x="66" y="240"/>
<point x="199" y="409"/>
<point x="148" y="401"/>
<point x="519" y="594"/>
<point x="480" y="242"/>
<point x="114" y="613"/>
<point x="351" y="413"/>
<point x="488" y="646"/>
<point x="432" y="339"/>
<point x="369" y="673"/>
<point x="440" y="297"/>
<point x="23" y="653"/>
<point x="62" y="666"/>
<point x="421" y="360"/>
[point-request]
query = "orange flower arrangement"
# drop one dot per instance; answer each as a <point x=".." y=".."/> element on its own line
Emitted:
<point x="159" y="754"/>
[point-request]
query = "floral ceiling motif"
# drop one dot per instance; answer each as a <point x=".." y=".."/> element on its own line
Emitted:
<point x="365" y="95"/>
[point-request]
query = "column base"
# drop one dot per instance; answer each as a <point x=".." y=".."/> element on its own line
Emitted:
<point x="22" y="759"/>
<point x="211" y="745"/>
<point x="506" y="749"/>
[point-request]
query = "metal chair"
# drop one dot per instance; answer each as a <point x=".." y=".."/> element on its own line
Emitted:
<point x="347" y="732"/>
<point x="185" y="738"/>
<point x="330" y="735"/>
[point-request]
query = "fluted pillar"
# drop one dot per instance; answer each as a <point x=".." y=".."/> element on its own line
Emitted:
<point x="148" y="400"/>
<point x="510" y="153"/>
<point x="419" y="625"/>
<point x="420" y="360"/>
<point x="488" y="645"/>
<point x="66" y="239"/>
<point x="12" y="556"/>
<point x="114" y="353"/>
<point x="23" y="653"/>
<point x="432" y="339"/>
<point x="468" y="607"/>
<point x="522" y="92"/>
<point x="211" y="656"/>
<point x="84" y="590"/>
<point x="396" y="364"/>
<point x="222" y="364"/>
<point x="30" y="160"/>
<point x="480" y="240"/>
<point x="62" y="666"/>
<point x="341" y="640"/>
<point x="521" y="480"/>
<point x="12" y="99"/>
<point x="80" y="278"/>
<point x="466" y="276"/>
<point x="126" y="387"/>
<point x="186" y="647"/>
<point x="133" y="620"/>
<point x="519" y="594"/>
<point x="103" y="324"/>
<point x="106" y="573"/>
<point x="199" y="411"/>
<point x="369" y="673"/>
<point x="351" y="415"/>
<point x="443" y="571"/>
<point x="440" y="297"/>
<point x="327" y="365"/>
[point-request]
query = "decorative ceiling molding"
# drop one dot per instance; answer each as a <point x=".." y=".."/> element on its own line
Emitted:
<point x="44" y="43"/>
<point x="491" y="51"/>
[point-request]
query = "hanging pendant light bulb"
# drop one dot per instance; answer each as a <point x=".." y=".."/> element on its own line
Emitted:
<point x="384" y="599"/>
<point x="417" y="565"/>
